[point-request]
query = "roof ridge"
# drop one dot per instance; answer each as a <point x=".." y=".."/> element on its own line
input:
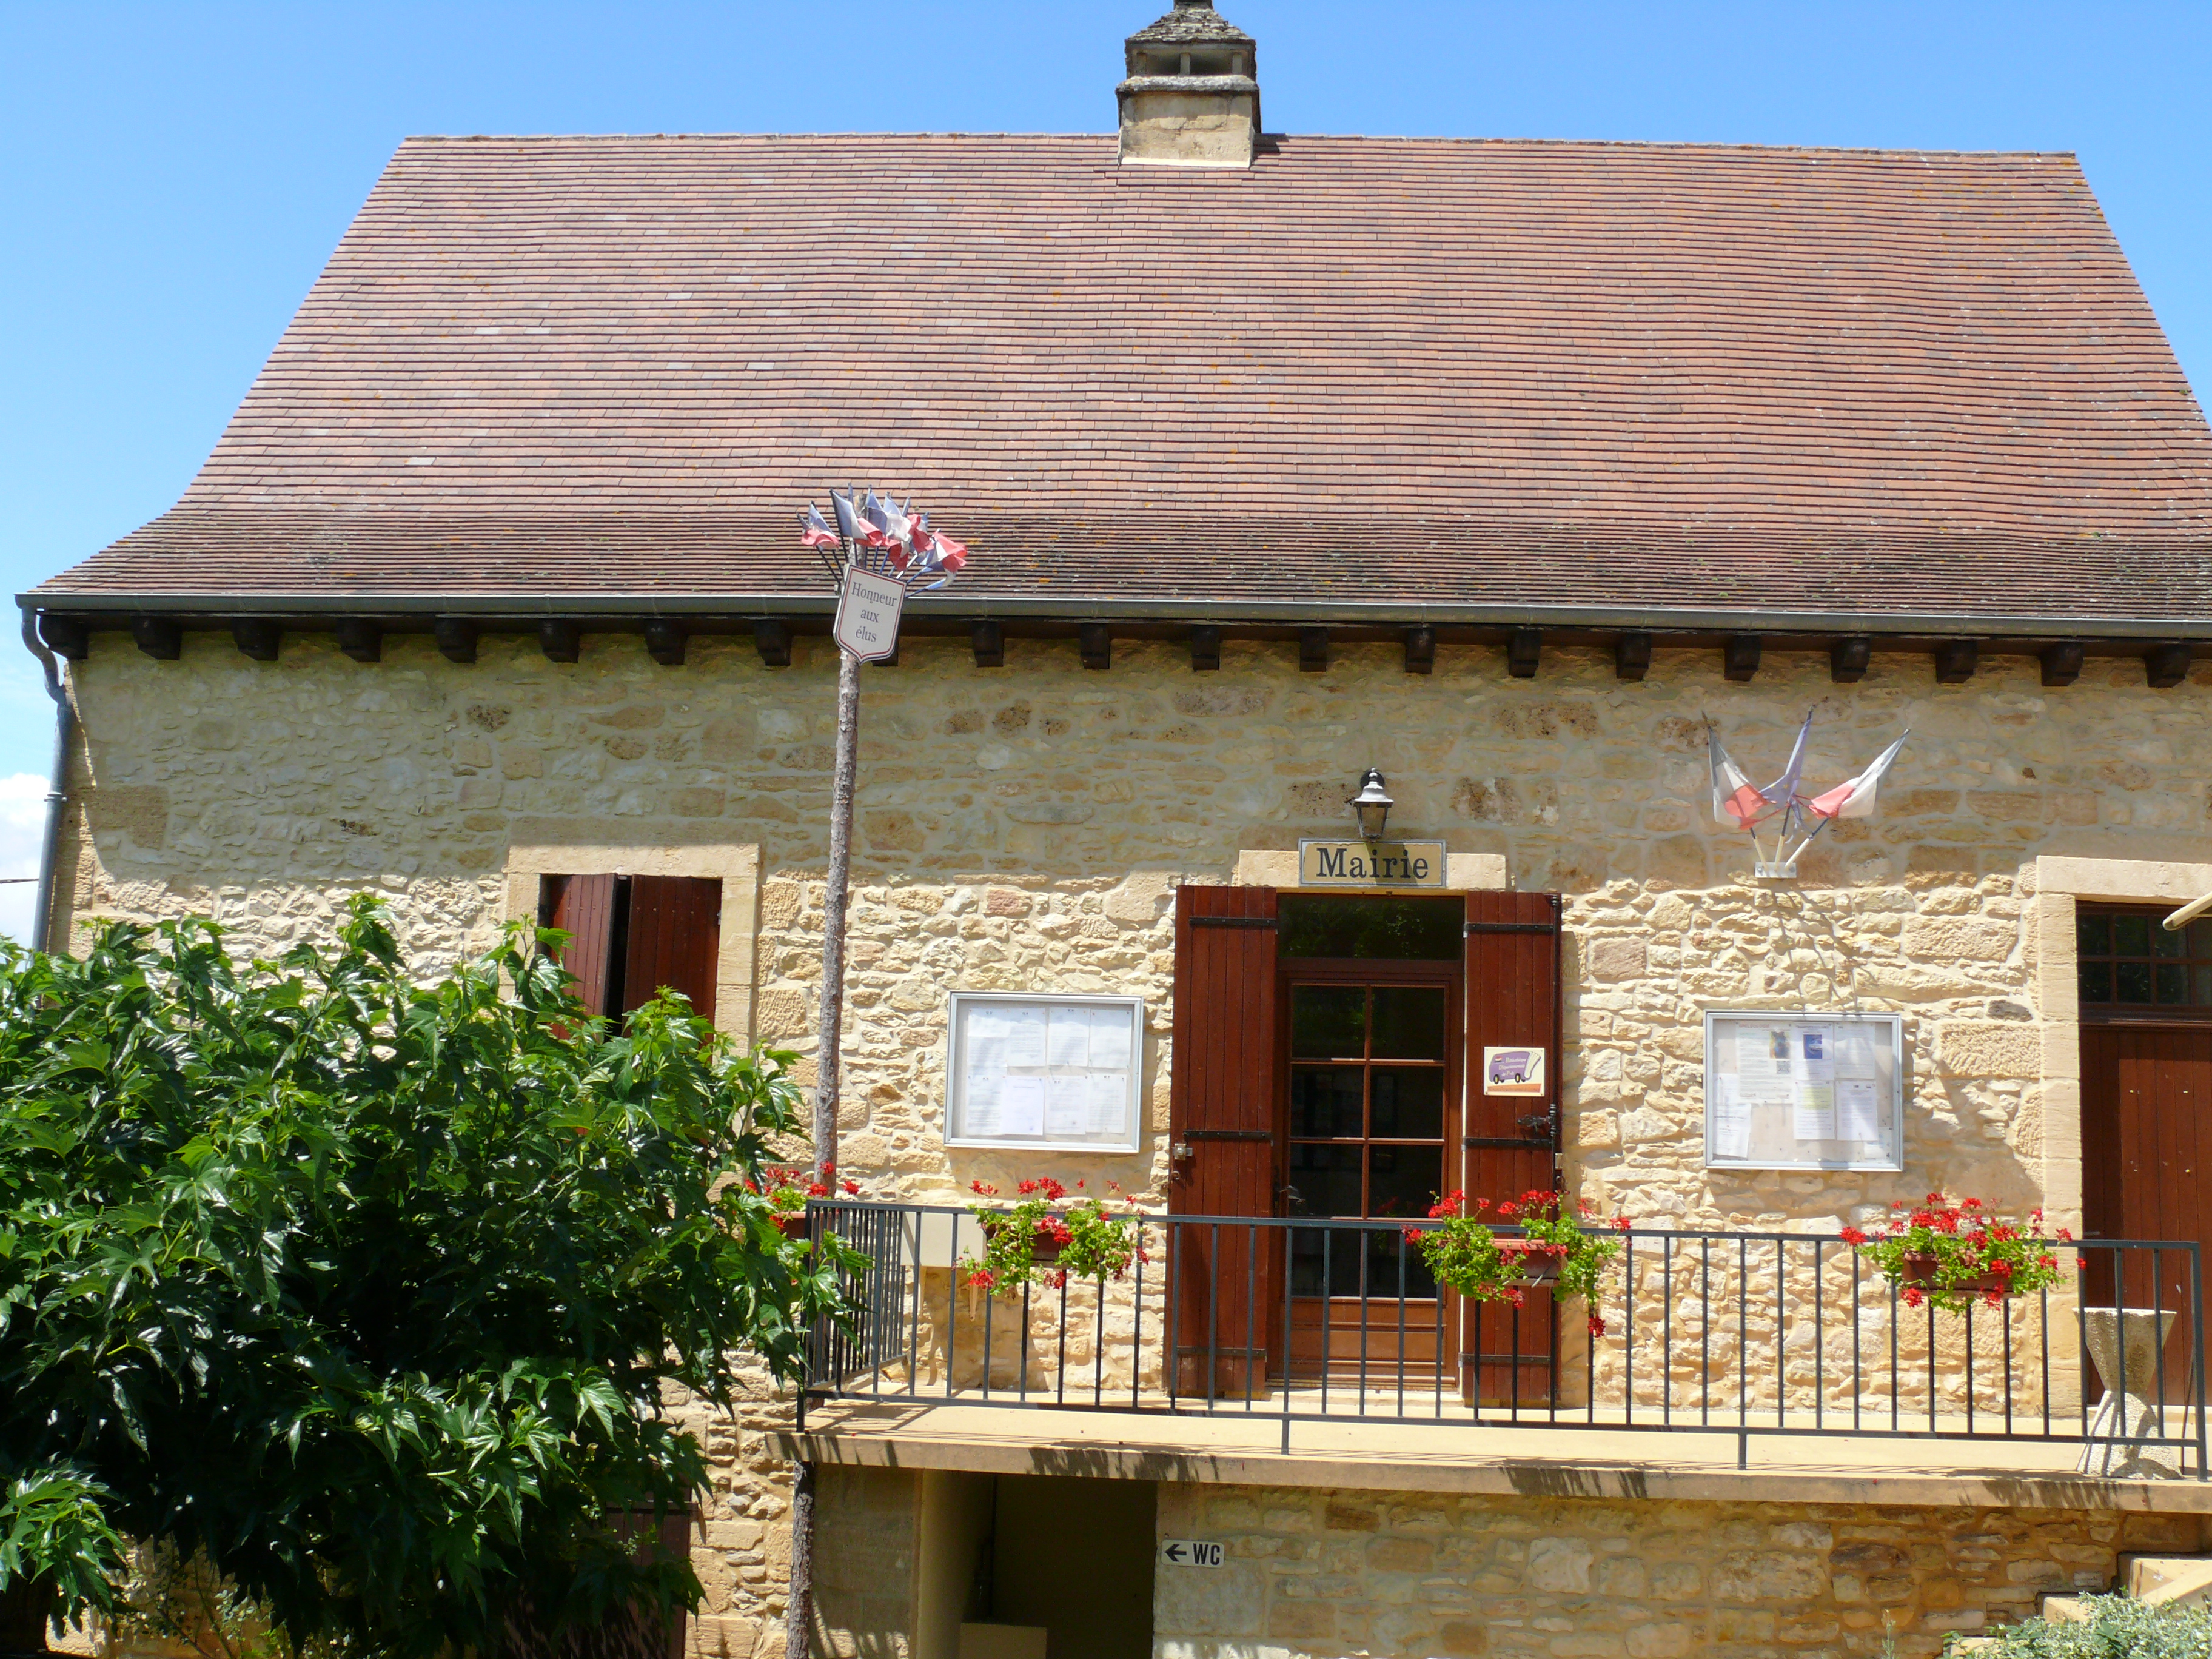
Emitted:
<point x="1673" y="146"/>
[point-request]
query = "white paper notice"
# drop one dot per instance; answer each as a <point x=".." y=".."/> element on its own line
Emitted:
<point x="1021" y="1108"/>
<point x="1110" y="1105"/>
<point x="1813" y="1048"/>
<point x="1025" y="1029"/>
<point x="1731" y="1121"/>
<point x="1067" y="1107"/>
<point x="1855" y="1052"/>
<point x="1109" y="1038"/>
<point x="979" y="1110"/>
<point x="1766" y="1051"/>
<point x="1814" y="1116"/>
<point x="1858" y="1112"/>
<point x="1071" y="1037"/>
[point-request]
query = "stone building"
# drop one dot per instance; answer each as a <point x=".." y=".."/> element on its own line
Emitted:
<point x="1509" y="470"/>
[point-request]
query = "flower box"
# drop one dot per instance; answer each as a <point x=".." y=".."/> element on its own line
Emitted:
<point x="1926" y="1271"/>
<point x="1951" y="1254"/>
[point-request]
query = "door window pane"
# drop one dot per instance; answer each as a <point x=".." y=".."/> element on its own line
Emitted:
<point x="1325" y="1102"/>
<point x="2172" y="983"/>
<point x="2093" y="935"/>
<point x="2130" y="936"/>
<point x="1403" y="1181"/>
<point x="1409" y="1104"/>
<point x="1328" y="1022"/>
<point x="1324" y="1178"/>
<point x="2133" y="980"/>
<point x="2096" y="981"/>
<point x="1409" y="1022"/>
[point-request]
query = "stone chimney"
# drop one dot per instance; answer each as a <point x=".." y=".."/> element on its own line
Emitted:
<point x="1193" y="96"/>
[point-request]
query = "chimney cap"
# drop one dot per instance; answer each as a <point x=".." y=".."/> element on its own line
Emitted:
<point x="1193" y="23"/>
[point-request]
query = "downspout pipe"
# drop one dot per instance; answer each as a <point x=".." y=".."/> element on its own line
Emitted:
<point x="42" y="908"/>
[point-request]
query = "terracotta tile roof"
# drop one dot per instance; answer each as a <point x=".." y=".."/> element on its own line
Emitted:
<point x="1367" y="372"/>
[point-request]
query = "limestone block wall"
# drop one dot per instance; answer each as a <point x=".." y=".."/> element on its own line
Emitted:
<point x="1322" y="1575"/>
<point x="1025" y="828"/>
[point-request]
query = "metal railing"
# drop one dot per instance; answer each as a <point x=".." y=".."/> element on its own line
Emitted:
<point x="1739" y="1332"/>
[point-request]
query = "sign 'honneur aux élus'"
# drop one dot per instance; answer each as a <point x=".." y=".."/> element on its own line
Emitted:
<point x="868" y="611"/>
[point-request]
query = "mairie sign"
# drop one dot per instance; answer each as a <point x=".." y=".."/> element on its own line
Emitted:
<point x="1370" y="864"/>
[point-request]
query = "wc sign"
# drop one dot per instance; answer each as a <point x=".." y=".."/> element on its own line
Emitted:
<point x="1191" y="1552"/>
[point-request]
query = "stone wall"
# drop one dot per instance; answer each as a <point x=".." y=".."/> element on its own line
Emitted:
<point x="1024" y="829"/>
<point x="1319" y="1575"/>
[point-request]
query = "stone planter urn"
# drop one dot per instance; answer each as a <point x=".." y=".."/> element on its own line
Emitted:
<point x="2124" y="1421"/>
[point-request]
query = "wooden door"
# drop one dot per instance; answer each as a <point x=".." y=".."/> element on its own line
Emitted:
<point x="1222" y="1134"/>
<point x="1507" y="1355"/>
<point x="1372" y="1051"/>
<point x="2146" y="1135"/>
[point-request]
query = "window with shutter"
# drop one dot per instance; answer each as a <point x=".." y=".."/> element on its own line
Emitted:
<point x="631" y="935"/>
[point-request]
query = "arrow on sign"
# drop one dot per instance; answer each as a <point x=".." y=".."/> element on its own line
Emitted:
<point x="1177" y="1555"/>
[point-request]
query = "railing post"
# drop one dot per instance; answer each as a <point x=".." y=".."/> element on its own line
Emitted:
<point x="2197" y="1351"/>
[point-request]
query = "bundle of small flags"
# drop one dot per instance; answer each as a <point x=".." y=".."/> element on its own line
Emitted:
<point x="901" y="537"/>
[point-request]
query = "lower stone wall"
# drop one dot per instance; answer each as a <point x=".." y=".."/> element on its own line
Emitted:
<point x="1327" y="1575"/>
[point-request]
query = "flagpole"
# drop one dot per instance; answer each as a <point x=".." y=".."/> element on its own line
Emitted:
<point x="799" y="1603"/>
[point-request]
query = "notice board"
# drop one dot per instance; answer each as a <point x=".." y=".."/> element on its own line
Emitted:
<point x="1050" y="1072"/>
<point x="1804" y="1091"/>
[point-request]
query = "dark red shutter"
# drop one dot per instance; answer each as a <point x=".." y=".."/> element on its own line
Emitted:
<point x="1513" y="1002"/>
<point x="583" y="907"/>
<point x="1222" y="1122"/>
<point x="674" y="936"/>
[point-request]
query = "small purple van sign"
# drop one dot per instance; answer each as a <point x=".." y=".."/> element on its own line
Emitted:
<point x="1513" y="1071"/>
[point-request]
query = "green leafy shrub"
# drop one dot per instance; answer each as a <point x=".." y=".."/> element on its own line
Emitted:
<point x="366" y="1294"/>
<point x="2117" y="1629"/>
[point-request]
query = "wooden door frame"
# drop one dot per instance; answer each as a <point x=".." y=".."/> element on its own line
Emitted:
<point x="1449" y="974"/>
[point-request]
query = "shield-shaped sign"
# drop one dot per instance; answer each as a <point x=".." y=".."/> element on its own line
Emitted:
<point x="868" y="614"/>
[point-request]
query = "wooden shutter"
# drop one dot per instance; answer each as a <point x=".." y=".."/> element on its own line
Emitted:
<point x="675" y="938"/>
<point x="1222" y="1122"/>
<point x="1511" y="1146"/>
<point x="2146" y="1102"/>
<point x="583" y="907"/>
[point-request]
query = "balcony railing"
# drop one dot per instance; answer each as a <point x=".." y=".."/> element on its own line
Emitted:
<point x="1749" y="1333"/>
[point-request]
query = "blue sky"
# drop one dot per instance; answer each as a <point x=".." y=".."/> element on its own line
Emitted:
<point x="172" y="177"/>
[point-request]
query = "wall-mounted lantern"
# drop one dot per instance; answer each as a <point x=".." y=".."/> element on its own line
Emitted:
<point x="1372" y="805"/>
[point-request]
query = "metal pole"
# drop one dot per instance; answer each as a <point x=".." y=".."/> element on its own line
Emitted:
<point x="832" y="927"/>
<point x="42" y="907"/>
<point x="798" y="1608"/>
<point x="799" y="1617"/>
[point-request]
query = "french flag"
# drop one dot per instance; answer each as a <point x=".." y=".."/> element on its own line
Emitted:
<point x="938" y="550"/>
<point x="854" y="524"/>
<point x="1734" y="795"/>
<point x="814" y="529"/>
<point x="1855" y="798"/>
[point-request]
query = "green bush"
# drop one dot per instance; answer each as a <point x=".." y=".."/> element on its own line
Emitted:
<point x="368" y="1294"/>
<point x="2117" y="1629"/>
